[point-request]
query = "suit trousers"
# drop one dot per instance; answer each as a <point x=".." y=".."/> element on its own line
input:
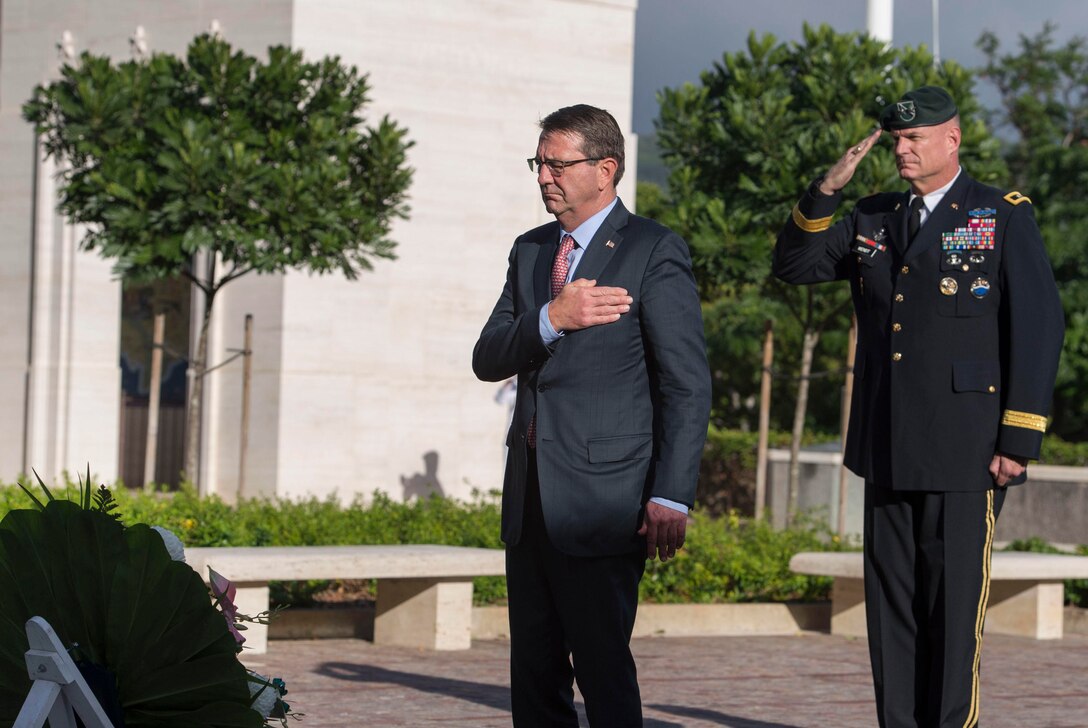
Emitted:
<point x="927" y="581"/>
<point x="564" y="606"/>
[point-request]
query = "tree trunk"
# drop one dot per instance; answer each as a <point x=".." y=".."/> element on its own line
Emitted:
<point x="151" y="448"/>
<point x="197" y="368"/>
<point x="808" y="349"/>
<point x="764" y="419"/>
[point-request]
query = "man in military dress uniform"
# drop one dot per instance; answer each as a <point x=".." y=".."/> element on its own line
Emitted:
<point x="959" y="333"/>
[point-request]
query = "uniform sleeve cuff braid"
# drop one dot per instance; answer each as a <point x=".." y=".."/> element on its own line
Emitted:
<point x="809" y="225"/>
<point x="1029" y="421"/>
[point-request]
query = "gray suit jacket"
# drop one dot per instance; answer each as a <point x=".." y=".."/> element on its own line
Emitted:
<point x="621" y="408"/>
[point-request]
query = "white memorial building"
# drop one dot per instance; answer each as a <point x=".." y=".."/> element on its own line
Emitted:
<point x="358" y="386"/>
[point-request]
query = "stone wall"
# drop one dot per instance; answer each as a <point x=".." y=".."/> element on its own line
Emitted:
<point x="1052" y="505"/>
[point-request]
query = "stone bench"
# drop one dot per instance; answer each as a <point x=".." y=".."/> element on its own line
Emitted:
<point x="1026" y="590"/>
<point x="424" y="591"/>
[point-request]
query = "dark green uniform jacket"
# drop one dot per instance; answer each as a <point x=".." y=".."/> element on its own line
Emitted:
<point x="959" y="332"/>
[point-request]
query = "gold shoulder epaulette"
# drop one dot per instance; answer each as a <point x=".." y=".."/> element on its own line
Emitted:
<point x="1015" y="198"/>
<point x="1027" y="420"/>
<point x="810" y="226"/>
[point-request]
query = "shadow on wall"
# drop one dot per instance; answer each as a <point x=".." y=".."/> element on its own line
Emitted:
<point x="423" y="485"/>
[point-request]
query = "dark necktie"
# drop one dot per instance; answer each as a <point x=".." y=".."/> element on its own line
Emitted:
<point x="915" y="220"/>
<point x="560" y="269"/>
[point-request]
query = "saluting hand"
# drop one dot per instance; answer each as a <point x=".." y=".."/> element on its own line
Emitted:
<point x="840" y="174"/>
<point x="583" y="303"/>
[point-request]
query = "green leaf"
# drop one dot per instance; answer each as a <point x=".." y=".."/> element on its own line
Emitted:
<point x="115" y="592"/>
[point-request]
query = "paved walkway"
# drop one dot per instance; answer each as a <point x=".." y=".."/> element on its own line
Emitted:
<point x="737" y="682"/>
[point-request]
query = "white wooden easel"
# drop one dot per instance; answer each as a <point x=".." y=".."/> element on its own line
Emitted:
<point x="59" y="692"/>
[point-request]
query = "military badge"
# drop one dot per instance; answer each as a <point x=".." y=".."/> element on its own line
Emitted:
<point x="978" y="235"/>
<point x="953" y="258"/>
<point x="982" y="212"/>
<point x="906" y="110"/>
<point x="868" y="246"/>
<point x="977" y="258"/>
<point x="980" y="288"/>
<point x="949" y="286"/>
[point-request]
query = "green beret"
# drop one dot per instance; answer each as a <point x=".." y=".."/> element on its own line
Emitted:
<point x="925" y="106"/>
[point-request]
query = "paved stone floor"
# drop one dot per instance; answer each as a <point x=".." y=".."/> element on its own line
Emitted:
<point x="737" y="682"/>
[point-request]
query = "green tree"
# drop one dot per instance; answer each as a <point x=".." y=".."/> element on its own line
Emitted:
<point x="217" y="165"/>
<point x="1044" y="99"/>
<point x="742" y="147"/>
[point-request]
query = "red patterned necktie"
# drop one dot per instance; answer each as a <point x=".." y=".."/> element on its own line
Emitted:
<point x="560" y="269"/>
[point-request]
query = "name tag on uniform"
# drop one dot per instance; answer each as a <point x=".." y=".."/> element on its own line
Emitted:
<point x="867" y="246"/>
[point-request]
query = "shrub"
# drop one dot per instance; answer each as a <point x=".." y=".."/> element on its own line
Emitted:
<point x="318" y="522"/>
<point x="725" y="559"/>
<point x="734" y="559"/>
<point x="1056" y="451"/>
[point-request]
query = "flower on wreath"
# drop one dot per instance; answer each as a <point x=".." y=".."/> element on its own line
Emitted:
<point x="173" y="544"/>
<point x="266" y="693"/>
<point x="224" y="591"/>
<point x="268" y="696"/>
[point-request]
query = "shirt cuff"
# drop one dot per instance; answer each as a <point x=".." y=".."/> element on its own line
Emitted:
<point x="670" y="504"/>
<point x="548" y="334"/>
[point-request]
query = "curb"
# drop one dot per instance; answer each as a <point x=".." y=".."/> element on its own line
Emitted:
<point x="653" y="620"/>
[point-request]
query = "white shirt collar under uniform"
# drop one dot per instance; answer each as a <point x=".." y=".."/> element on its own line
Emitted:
<point x="931" y="200"/>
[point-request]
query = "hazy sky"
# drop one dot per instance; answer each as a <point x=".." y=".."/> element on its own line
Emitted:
<point x="676" y="39"/>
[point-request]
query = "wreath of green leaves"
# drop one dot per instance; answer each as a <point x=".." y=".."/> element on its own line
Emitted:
<point x="114" y="596"/>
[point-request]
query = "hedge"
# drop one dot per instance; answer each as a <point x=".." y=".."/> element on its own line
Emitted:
<point x="728" y="559"/>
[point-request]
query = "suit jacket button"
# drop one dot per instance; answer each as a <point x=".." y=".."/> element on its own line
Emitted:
<point x="905" y="269"/>
<point x="991" y="389"/>
<point x="542" y="387"/>
<point x="899" y="298"/>
<point x="896" y="356"/>
<point x="897" y="326"/>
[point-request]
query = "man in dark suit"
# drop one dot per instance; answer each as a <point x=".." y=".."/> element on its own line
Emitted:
<point x="600" y="321"/>
<point x="959" y="334"/>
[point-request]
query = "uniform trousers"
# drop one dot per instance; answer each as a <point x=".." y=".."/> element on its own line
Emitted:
<point x="927" y="581"/>
<point x="564" y="606"/>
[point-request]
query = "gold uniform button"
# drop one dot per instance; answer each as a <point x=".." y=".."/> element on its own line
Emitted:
<point x="899" y="298"/>
<point x="991" y="389"/>
<point x="897" y="326"/>
<point x="896" y="356"/>
<point x="905" y="269"/>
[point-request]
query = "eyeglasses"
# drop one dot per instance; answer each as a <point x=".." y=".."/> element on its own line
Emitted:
<point x="556" y="166"/>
